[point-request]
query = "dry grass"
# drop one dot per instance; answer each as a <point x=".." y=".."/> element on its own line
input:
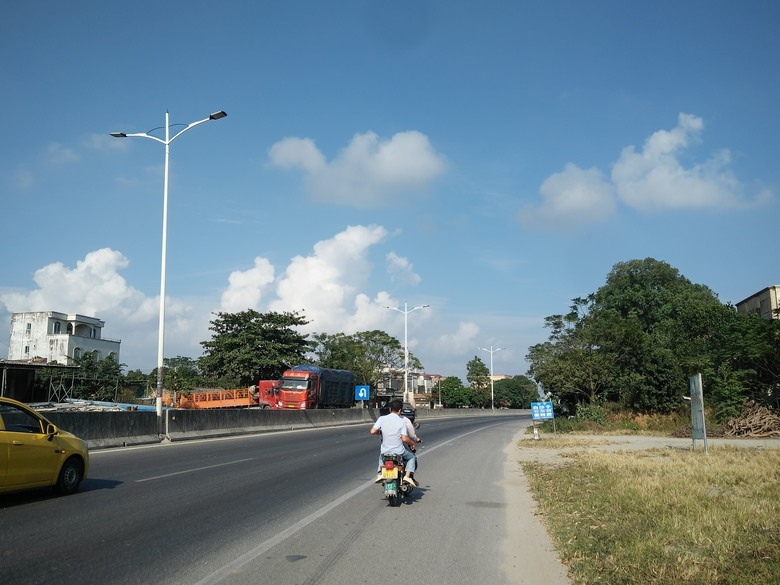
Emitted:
<point x="663" y="516"/>
<point x="560" y="442"/>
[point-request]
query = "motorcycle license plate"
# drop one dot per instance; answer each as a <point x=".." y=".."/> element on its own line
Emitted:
<point x="390" y="473"/>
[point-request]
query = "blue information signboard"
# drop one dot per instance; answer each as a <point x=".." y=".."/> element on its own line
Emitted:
<point x="362" y="392"/>
<point x="542" y="411"/>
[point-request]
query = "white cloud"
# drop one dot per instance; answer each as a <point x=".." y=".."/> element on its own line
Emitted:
<point x="297" y="152"/>
<point x="369" y="172"/>
<point x="93" y="286"/>
<point x="655" y="178"/>
<point x="652" y="179"/>
<point x="401" y="270"/>
<point x="327" y="284"/>
<point x="571" y="197"/>
<point x="245" y="288"/>
<point x="463" y="340"/>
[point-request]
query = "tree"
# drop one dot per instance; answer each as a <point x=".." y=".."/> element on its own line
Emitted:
<point x="249" y="346"/>
<point x="638" y="338"/>
<point x="514" y="392"/>
<point x="97" y="379"/>
<point x="478" y="376"/>
<point x="672" y="321"/>
<point x="181" y="374"/>
<point x="453" y="393"/>
<point x="135" y="385"/>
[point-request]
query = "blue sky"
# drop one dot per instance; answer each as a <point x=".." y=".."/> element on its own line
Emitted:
<point x="493" y="160"/>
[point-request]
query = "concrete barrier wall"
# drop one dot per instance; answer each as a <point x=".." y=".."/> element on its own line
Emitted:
<point x="118" y="429"/>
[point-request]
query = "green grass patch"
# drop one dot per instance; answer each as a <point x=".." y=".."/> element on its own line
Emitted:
<point x="664" y="517"/>
<point x="607" y="420"/>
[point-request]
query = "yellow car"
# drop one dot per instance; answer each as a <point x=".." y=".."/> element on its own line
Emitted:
<point x="34" y="453"/>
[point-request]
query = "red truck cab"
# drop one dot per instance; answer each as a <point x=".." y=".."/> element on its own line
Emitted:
<point x="298" y="389"/>
<point x="266" y="394"/>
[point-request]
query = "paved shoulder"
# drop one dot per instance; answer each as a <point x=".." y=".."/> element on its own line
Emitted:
<point x="529" y="554"/>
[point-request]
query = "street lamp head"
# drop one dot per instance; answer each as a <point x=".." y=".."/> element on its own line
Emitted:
<point x="119" y="134"/>
<point x="217" y="115"/>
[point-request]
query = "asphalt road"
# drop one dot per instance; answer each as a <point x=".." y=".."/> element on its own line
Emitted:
<point x="291" y="508"/>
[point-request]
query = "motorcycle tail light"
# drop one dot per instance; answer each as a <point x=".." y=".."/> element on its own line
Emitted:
<point x="389" y="464"/>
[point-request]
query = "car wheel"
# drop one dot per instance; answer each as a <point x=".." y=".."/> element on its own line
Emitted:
<point x="70" y="477"/>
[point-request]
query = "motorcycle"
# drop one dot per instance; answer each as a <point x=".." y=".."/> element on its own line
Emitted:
<point x="393" y="469"/>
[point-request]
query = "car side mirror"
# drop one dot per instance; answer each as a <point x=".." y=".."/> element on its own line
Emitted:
<point x="51" y="430"/>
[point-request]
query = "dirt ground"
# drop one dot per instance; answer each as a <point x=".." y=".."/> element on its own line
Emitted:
<point x="530" y="449"/>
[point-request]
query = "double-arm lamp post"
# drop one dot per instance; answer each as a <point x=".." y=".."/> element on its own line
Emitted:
<point x="492" y="350"/>
<point x="406" y="312"/>
<point x="167" y="143"/>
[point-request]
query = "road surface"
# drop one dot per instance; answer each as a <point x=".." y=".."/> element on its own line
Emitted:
<point x="294" y="508"/>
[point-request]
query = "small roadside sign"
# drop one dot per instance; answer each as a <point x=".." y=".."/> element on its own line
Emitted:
<point x="362" y="392"/>
<point x="542" y="411"/>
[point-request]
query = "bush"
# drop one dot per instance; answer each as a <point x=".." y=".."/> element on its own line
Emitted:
<point x="593" y="412"/>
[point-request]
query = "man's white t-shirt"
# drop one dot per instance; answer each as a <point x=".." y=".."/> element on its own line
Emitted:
<point x="392" y="427"/>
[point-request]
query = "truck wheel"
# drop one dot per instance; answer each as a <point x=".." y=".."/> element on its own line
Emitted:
<point x="70" y="477"/>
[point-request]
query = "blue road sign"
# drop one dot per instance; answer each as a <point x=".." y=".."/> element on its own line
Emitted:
<point x="542" y="411"/>
<point x="361" y="392"/>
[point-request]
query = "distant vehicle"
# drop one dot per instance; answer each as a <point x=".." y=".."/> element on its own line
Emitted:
<point x="305" y="386"/>
<point x="34" y="453"/>
<point x="265" y="394"/>
<point x="408" y="411"/>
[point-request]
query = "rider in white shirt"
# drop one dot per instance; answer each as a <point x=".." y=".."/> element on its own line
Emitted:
<point x="397" y="439"/>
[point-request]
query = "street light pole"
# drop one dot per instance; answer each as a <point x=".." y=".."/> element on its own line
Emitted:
<point x="167" y="143"/>
<point x="406" y="312"/>
<point x="491" y="350"/>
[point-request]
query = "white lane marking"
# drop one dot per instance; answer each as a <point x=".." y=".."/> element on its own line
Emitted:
<point x="192" y="470"/>
<point x="226" y="570"/>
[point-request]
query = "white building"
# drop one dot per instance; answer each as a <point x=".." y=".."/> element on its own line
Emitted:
<point x="49" y="336"/>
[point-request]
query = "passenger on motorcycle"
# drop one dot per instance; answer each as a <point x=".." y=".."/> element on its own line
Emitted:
<point x="396" y="440"/>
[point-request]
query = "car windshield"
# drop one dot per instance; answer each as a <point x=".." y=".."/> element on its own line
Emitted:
<point x="293" y="384"/>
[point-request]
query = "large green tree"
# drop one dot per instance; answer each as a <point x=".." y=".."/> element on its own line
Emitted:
<point x="453" y="393"/>
<point x="639" y="337"/>
<point x="249" y="346"/>
<point x="514" y="392"/>
<point x="478" y="376"/>
<point x="672" y="320"/>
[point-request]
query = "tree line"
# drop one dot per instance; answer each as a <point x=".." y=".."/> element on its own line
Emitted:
<point x="636" y="341"/>
<point x="249" y="346"/>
